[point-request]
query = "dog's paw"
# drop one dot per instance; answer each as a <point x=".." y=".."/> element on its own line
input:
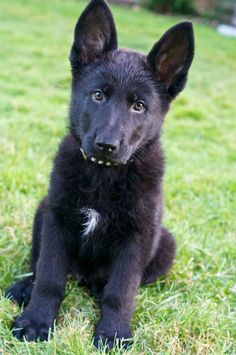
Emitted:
<point x="29" y="328"/>
<point x="109" y="336"/>
<point x="21" y="291"/>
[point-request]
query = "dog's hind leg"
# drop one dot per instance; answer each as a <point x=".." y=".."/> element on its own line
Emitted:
<point x="21" y="291"/>
<point x="162" y="260"/>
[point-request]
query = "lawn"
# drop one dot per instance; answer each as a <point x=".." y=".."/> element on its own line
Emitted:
<point x="193" y="309"/>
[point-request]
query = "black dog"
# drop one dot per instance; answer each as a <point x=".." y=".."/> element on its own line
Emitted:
<point x="101" y="219"/>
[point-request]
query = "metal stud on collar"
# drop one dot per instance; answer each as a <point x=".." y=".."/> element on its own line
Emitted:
<point x="83" y="153"/>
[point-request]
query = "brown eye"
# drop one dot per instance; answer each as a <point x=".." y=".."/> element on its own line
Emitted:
<point x="97" y="95"/>
<point x="139" y="106"/>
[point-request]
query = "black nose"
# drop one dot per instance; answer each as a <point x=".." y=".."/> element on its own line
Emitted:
<point x="106" y="148"/>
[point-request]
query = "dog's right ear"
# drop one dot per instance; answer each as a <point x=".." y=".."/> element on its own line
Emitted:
<point x="95" y="34"/>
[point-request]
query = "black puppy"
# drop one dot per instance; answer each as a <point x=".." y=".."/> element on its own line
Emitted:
<point x="101" y="219"/>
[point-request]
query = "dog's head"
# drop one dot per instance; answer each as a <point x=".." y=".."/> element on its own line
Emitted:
<point x="120" y="97"/>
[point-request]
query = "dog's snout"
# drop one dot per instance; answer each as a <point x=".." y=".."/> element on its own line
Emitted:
<point x="107" y="146"/>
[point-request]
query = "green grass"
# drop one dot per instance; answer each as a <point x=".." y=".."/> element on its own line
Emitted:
<point x="192" y="310"/>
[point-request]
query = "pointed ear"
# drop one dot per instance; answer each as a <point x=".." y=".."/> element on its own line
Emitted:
<point x="172" y="55"/>
<point x="95" y="33"/>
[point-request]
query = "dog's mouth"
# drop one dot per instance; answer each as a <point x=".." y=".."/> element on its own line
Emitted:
<point x="100" y="162"/>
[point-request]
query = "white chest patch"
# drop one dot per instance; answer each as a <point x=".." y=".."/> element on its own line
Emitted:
<point x="90" y="221"/>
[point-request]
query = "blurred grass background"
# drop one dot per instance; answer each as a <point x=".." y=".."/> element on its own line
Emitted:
<point x="192" y="310"/>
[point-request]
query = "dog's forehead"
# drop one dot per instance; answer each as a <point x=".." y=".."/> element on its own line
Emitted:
<point x="127" y="66"/>
<point x="127" y="59"/>
<point x="122" y="69"/>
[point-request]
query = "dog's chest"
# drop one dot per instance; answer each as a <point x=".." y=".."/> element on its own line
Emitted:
<point x="104" y="209"/>
<point x="90" y="219"/>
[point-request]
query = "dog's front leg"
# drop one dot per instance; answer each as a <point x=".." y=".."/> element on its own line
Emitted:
<point x="38" y="317"/>
<point x="118" y="297"/>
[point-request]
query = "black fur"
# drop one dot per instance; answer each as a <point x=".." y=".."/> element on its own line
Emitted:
<point x="118" y="103"/>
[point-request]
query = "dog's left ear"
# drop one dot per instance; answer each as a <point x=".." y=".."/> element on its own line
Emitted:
<point x="171" y="57"/>
<point x="95" y="33"/>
